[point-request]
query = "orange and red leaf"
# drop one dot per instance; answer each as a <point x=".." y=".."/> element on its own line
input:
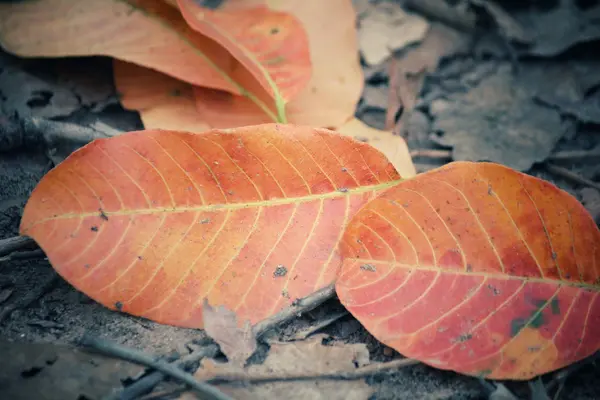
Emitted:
<point x="476" y="268"/>
<point x="153" y="222"/>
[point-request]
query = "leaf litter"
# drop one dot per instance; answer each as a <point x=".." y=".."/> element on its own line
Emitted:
<point x="404" y="382"/>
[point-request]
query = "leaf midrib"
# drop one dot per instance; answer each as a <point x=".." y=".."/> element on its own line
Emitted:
<point x="500" y="276"/>
<point x="229" y="206"/>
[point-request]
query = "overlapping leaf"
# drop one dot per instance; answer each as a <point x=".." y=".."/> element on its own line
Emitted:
<point x="153" y="222"/>
<point x="476" y="268"/>
<point x="272" y="45"/>
<point x="154" y="34"/>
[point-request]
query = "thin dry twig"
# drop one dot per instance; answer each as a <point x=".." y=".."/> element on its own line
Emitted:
<point x="114" y="350"/>
<point x="29" y="298"/>
<point x="15" y="243"/>
<point x="357" y="373"/>
<point x="572" y="176"/>
<point x="297" y="308"/>
<point x="23" y="255"/>
<point x="303" y="334"/>
<point x="148" y="382"/>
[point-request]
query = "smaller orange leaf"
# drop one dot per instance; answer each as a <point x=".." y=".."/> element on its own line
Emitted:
<point x="272" y="45"/>
<point x="476" y="268"/>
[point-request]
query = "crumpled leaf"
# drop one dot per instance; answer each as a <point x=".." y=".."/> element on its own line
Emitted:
<point x="559" y="28"/>
<point x="385" y="28"/>
<point x="497" y="121"/>
<point x="392" y="146"/>
<point x="153" y="222"/>
<point x="476" y="268"/>
<point x="237" y="343"/>
<point x="163" y="102"/>
<point x="293" y="359"/>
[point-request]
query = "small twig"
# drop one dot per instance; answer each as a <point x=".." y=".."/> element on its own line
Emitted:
<point x="394" y="102"/>
<point x="29" y="298"/>
<point x="23" y="255"/>
<point x="430" y="153"/>
<point x="558" y="156"/>
<point x="148" y="382"/>
<point x="575" y="155"/>
<point x="299" y="307"/>
<point x="303" y="334"/>
<point x="572" y="176"/>
<point x="114" y="350"/>
<point x="16" y="243"/>
<point x="357" y="373"/>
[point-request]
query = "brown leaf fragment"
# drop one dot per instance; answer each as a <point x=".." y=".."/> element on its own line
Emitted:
<point x="386" y="28"/>
<point x="293" y="360"/>
<point x="237" y="343"/>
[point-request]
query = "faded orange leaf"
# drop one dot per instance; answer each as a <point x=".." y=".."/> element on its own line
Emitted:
<point x="152" y="223"/>
<point x="476" y="268"/>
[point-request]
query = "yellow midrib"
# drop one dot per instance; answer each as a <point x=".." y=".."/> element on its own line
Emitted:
<point x="475" y="273"/>
<point x="230" y="206"/>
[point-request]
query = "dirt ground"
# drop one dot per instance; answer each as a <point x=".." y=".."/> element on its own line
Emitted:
<point x="461" y="110"/>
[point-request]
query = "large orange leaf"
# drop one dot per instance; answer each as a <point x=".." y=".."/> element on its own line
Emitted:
<point x="153" y="222"/>
<point x="476" y="268"/>
<point x="330" y="98"/>
<point x="154" y="34"/>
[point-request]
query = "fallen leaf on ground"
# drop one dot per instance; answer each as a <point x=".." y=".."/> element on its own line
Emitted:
<point x="336" y="83"/>
<point x="137" y="31"/>
<point x="413" y="65"/>
<point x="559" y="28"/>
<point x="392" y="146"/>
<point x="50" y="372"/>
<point x="221" y="324"/>
<point x="498" y="121"/>
<point x="163" y="102"/>
<point x="385" y="28"/>
<point x="272" y="45"/>
<point x="153" y="222"/>
<point x="293" y="359"/>
<point x="476" y="268"/>
<point x="508" y="26"/>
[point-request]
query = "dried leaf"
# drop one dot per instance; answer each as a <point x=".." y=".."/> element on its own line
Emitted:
<point x="293" y="359"/>
<point x="560" y="28"/>
<point x="137" y="31"/>
<point x="497" y="121"/>
<point x="385" y="28"/>
<point x="171" y="46"/>
<point x="163" y="102"/>
<point x="330" y="97"/>
<point x="476" y="268"/>
<point x="393" y="146"/>
<point x="272" y="45"/>
<point x="236" y="343"/>
<point x="153" y="222"/>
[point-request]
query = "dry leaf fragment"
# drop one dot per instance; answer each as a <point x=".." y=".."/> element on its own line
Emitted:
<point x="392" y="146"/>
<point x="295" y="359"/>
<point x="386" y="28"/>
<point x="237" y="343"/>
